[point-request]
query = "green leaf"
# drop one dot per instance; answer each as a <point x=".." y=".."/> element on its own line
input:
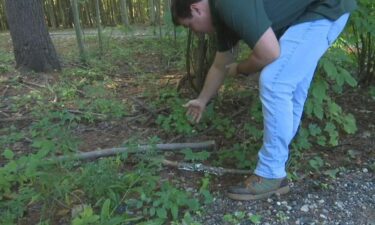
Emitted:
<point x="256" y="219"/>
<point x="162" y="213"/>
<point x="318" y="111"/>
<point x="321" y="140"/>
<point x="314" y="129"/>
<point x="8" y="154"/>
<point x="349" y="124"/>
<point x="316" y="163"/>
<point x="349" y="79"/>
<point x="330" y="68"/>
<point x="319" y="90"/>
<point x="333" y="134"/>
<point x="105" y="209"/>
<point x="332" y="173"/>
<point x="195" y="156"/>
<point x="152" y="211"/>
<point x="334" y="109"/>
<point x="174" y="211"/>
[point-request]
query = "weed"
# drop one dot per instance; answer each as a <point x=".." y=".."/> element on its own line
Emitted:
<point x="240" y="216"/>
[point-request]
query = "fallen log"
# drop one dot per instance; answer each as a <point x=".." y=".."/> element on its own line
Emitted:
<point x="141" y="148"/>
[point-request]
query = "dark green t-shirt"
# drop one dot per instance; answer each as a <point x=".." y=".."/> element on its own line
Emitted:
<point x="249" y="19"/>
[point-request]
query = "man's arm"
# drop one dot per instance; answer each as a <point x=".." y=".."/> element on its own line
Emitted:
<point x="266" y="50"/>
<point x="213" y="82"/>
<point x="215" y="76"/>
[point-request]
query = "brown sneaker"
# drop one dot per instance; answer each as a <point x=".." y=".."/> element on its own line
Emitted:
<point x="256" y="187"/>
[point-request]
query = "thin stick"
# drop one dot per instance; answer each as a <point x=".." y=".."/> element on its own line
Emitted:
<point x="32" y="84"/>
<point x="5" y="91"/>
<point x="141" y="148"/>
<point x="15" y="119"/>
<point x="202" y="168"/>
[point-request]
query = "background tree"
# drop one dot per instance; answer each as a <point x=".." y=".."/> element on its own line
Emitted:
<point x="77" y="27"/>
<point x="33" y="48"/>
<point x="98" y="24"/>
<point x="124" y="13"/>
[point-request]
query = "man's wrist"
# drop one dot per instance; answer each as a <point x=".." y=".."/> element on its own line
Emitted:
<point x="203" y="100"/>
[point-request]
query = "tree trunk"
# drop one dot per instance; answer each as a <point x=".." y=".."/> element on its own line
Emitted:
<point x="78" y="30"/>
<point x="61" y="14"/>
<point x="3" y="25"/>
<point x="124" y="13"/>
<point x="33" y="47"/>
<point x="51" y="14"/>
<point x="98" y="24"/>
<point x="131" y="9"/>
<point x="87" y="10"/>
<point x="114" y="12"/>
<point x="151" y="7"/>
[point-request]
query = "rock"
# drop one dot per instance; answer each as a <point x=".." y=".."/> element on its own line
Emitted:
<point x="365" y="170"/>
<point x="305" y="208"/>
<point x="340" y="204"/>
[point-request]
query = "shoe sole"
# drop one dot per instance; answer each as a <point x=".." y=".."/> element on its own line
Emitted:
<point x="247" y="197"/>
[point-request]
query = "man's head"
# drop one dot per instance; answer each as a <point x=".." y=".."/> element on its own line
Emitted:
<point x="193" y="14"/>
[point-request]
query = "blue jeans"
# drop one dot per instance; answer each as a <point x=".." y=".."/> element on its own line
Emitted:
<point x="284" y="87"/>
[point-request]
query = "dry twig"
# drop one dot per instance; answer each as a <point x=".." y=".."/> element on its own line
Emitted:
<point x="202" y="168"/>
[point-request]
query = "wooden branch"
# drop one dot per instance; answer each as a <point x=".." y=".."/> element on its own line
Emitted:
<point x="141" y="148"/>
<point x="202" y="168"/>
<point x="5" y="91"/>
<point x="74" y="111"/>
<point x="15" y="119"/>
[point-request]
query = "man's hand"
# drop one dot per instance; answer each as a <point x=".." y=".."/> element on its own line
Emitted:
<point x="195" y="109"/>
<point x="232" y="69"/>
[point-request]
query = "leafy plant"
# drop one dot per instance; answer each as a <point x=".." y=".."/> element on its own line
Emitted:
<point x="316" y="163"/>
<point x="195" y="156"/>
<point x="169" y="200"/>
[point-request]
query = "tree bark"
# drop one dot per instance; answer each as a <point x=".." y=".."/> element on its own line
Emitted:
<point x="124" y="13"/>
<point x="99" y="26"/>
<point x="51" y="14"/>
<point x="114" y="151"/>
<point x="33" y="47"/>
<point x="151" y="7"/>
<point x="61" y="15"/>
<point x="77" y="27"/>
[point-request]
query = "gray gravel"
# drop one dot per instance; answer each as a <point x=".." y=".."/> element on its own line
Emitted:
<point x="347" y="199"/>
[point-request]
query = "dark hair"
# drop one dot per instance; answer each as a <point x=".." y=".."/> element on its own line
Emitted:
<point x="180" y="9"/>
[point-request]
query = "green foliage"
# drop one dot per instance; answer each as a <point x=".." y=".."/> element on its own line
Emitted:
<point x="326" y="118"/>
<point x="195" y="156"/>
<point x="6" y="60"/>
<point x="204" y="190"/>
<point x="240" y="216"/>
<point x="361" y="41"/>
<point x="86" y="217"/>
<point x="240" y="154"/>
<point x="316" y="163"/>
<point x="52" y="133"/>
<point x="176" y="120"/>
<point x="168" y="202"/>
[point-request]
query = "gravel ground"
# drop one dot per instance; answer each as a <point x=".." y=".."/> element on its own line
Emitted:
<point x="347" y="199"/>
